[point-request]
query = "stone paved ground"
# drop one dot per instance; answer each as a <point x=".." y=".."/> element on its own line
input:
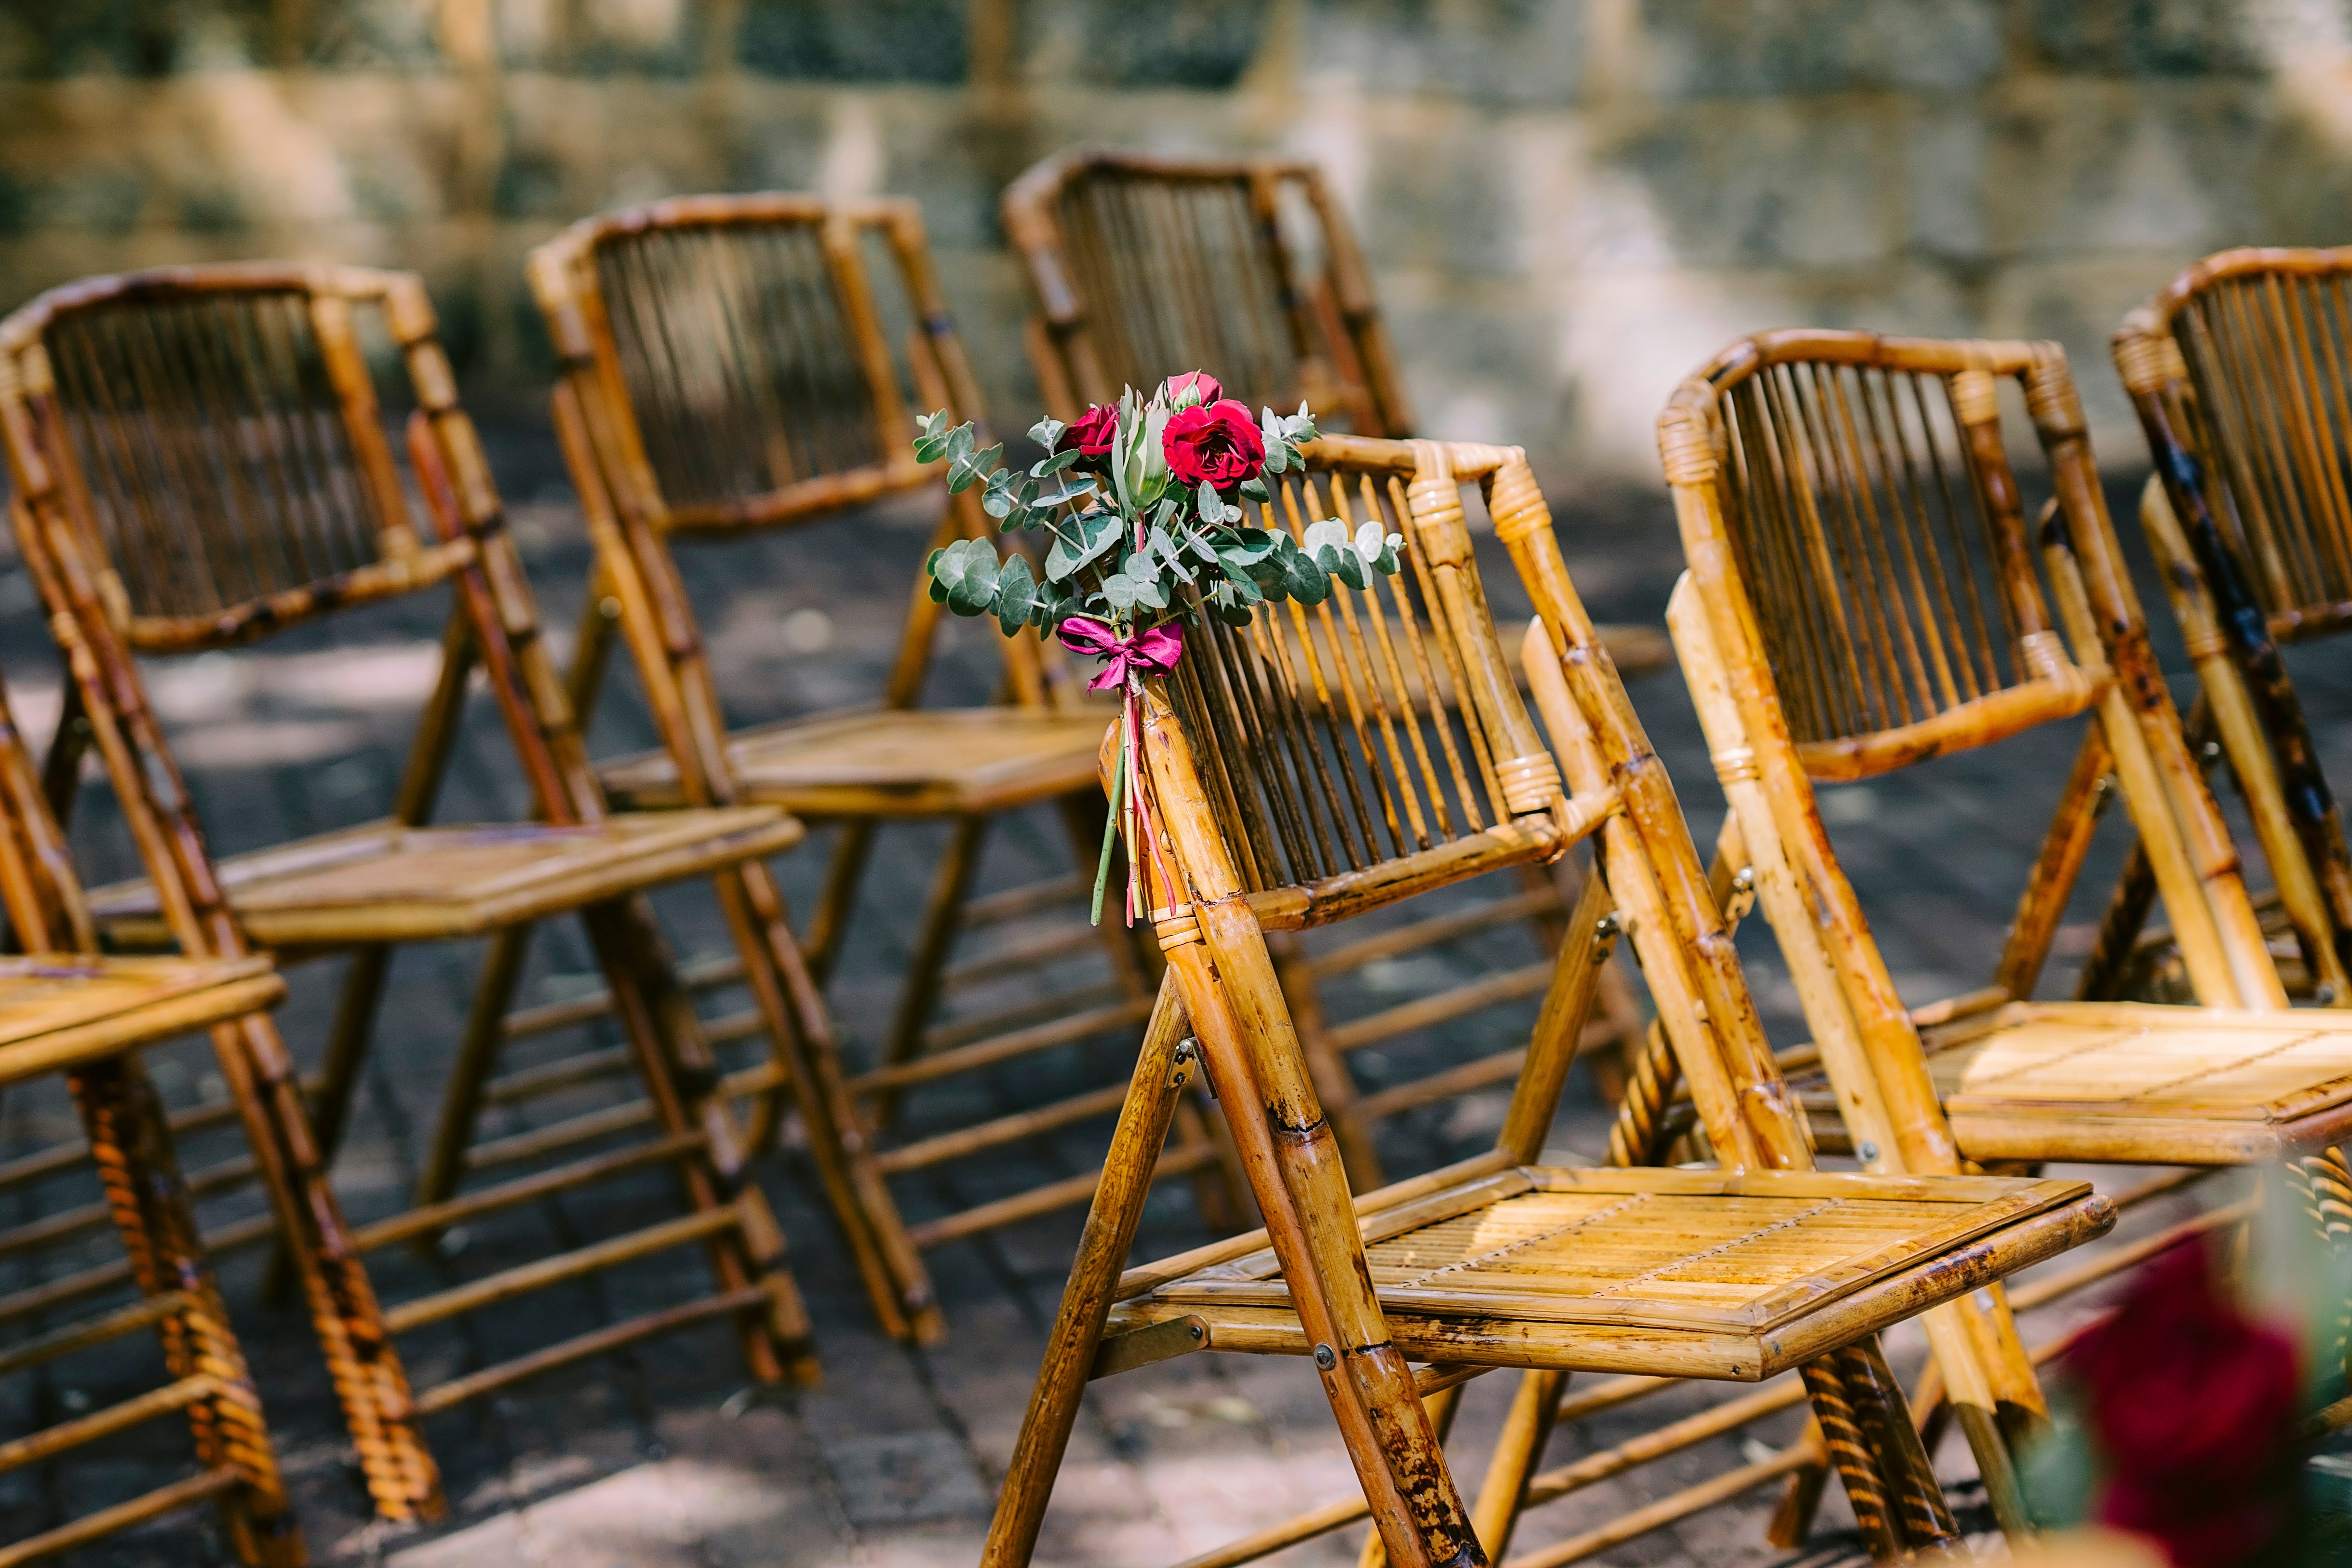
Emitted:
<point x="662" y="1457"/>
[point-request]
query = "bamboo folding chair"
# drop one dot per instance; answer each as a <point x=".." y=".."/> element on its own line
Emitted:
<point x="199" y="460"/>
<point x="1297" y="776"/>
<point x="1143" y="267"/>
<point x="724" y="372"/>
<point x="1849" y="514"/>
<point x="2238" y="371"/>
<point x="87" y="1018"/>
<point x="64" y="1008"/>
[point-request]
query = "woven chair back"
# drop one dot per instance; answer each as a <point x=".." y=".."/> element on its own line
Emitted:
<point x="1378" y="736"/>
<point x="1876" y="522"/>
<point x="1148" y="266"/>
<point x="214" y="434"/>
<point x="1852" y="516"/>
<point x="2249" y="355"/>
<point x="735" y="348"/>
<point x="202" y="460"/>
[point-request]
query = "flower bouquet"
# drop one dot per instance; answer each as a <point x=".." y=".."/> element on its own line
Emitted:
<point x="1143" y="503"/>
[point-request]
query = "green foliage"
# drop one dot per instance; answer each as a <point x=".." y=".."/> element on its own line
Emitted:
<point x="1126" y="543"/>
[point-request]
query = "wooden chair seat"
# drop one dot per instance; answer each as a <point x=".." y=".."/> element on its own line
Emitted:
<point x="383" y="883"/>
<point x="1738" y="1275"/>
<point x="909" y="762"/>
<point x="2130" y="1081"/>
<point x="59" y="1013"/>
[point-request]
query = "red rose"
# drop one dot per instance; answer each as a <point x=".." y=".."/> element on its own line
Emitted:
<point x="1190" y="388"/>
<point x="2193" y="1406"/>
<point x="1215" y="442"/>
<point x="1093" y="430"/>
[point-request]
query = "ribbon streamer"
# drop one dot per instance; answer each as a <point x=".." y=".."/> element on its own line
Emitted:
<point x="1153" y="651"/>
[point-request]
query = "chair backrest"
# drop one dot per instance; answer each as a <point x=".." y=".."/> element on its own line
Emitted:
<point x="2238" y="372"/>
<point x="1146" y="266"/>
<point x="1355" y="753"/>
<point x="735" y="346"/>
<point x="1375" y="730"/>
<point x="190" y="448"/>
<point x="1857" y="535"/>
<point x="214" y="433"/>
<point x="2245" y="361"/>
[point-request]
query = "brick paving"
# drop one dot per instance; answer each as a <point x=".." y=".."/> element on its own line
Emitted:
<point x="663" y="1456"/>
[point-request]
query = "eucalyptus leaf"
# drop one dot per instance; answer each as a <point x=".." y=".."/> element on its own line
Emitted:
<point x="1303" y="575"/>
<point x="1256" y="490"/>
<point x="968" y="570"/>
<point x="1327" y="534"/>
<point x="1016" y="595"/>
<point x="1342" y="562"/>
<point x="932" y="437"/>
<point x="1046" y="433"/>
<point x="1095" y="533"/>
<point x="1062" y="494"/>
<point x="1056" y="464"/>
<point x="1247" y="545"/>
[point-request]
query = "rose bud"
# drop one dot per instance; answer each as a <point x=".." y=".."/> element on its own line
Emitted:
<point x="1193" y="389"/>
<point x="1093" y="432"/>
<point x="1217" y="442"/>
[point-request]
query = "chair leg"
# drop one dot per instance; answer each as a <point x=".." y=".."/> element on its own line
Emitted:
<point x="942" y="914"/>
<point x="1793" y="1519"/>
<point x="2106" y="968"/>
<point x="682" y="1081"/>
<point x="370" y="1382"/>
<point x="1886" y="1420"/>
<point x="141" y="1175"/>
<point x="1402" y="1470"/>
<point x="1440" y="1407"/>
<point x="469" y="1075"/>
<point x="1526" y="1431"/>
<point x="843" y="872"/>
<point x="1161" y="1070"/>
<point x="1864" y="1491"/>
<point x="801" y="1033"/>
<point x="356" y="1002"/>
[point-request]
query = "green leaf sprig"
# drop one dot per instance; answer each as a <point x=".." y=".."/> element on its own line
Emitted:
<point x="1127" y="536"/>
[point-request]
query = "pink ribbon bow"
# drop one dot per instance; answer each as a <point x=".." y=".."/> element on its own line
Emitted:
<point x="1151" y="651"/>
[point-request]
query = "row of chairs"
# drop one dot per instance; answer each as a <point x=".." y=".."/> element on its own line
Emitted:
<point x="200" y="458"/>
<point x="1864" y="593"/>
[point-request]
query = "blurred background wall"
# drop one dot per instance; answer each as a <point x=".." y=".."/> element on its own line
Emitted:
<point x="1568" y="204"/>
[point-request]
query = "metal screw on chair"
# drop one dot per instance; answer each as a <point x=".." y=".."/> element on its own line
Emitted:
<point x="1324" y="1357"/>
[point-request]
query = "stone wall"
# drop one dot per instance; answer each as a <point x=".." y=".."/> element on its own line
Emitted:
<point x="1568" y="202"/>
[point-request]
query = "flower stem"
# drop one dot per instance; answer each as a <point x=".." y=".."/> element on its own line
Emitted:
<point x="1110" y="833"/>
